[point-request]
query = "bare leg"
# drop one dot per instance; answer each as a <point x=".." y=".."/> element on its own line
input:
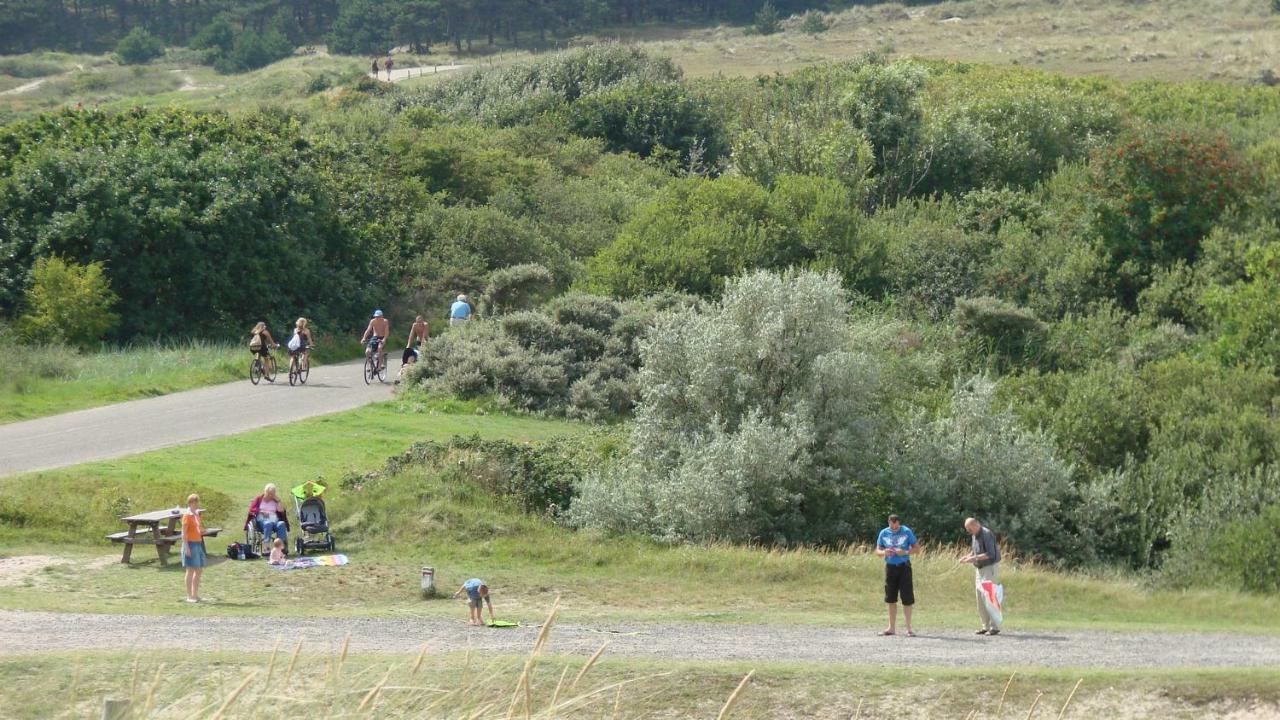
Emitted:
<point x="906" y="615"/>
<point x="893" y="617"/>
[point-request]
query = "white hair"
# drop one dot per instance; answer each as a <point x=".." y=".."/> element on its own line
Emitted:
<point x="270" y="488"/>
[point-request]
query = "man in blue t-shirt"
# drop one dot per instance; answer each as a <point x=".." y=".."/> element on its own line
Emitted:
<point x="460" y="310"/>
<point x="896" y="544"/>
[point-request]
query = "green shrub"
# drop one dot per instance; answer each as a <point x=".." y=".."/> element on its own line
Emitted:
<point x="699" y="232"/>
<point x="139" y="46"/>
<point x="755" y="423"/>
<point x="929" y="260"/>
<point x="575" y="356"/>
<point x="1161" y="191"/>
<point x="1245" y="315"/>
<point x="517" y="287"/>
<point x="813" y="23"/>
<point x="767" y="20"/>
<point x="978" y="461"/>
<point x="1005" y="331"/>
<point x="647" y="119"/>
<point x="30" y="66"/>
<point x="1229" y="537"/>
<point x="68" y="303"/>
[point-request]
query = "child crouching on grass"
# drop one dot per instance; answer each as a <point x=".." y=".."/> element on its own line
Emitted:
<point x="477" y="594"/>
<point x="277" y="552"/>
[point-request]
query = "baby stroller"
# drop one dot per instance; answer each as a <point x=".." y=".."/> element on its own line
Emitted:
<point x="313" y="522"/>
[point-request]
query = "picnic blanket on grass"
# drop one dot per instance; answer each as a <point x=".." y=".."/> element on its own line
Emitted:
<point x="303" y="563"/>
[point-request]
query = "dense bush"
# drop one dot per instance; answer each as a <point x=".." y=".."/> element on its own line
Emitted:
<point x="575" y="356"/>
<point x="68" y="303"/>
<point x="698" y="232"/>
<point x="754" y="423"/>
<point x="139" y="46"/>
<point x="1161" y="191"/>
<point x="157" y="212"/>
<point x="977" y="461"/>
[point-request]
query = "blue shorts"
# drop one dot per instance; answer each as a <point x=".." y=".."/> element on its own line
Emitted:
<point x="197" y="559"/>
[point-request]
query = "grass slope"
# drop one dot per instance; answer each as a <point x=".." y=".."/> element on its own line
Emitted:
<point x="393" y="526"/>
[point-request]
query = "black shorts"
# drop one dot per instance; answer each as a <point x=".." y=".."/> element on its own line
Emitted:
<point x="897" y="583"/>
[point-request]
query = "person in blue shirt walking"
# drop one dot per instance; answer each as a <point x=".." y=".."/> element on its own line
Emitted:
<point x="896" y="544"/>
<point x="460" y="310"/>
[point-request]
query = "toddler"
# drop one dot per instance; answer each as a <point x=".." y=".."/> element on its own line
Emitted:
<point x="277" y="552"/>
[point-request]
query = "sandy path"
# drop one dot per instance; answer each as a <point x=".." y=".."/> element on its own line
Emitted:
<point x="28" y="87"/>
<point x="142" y="425"/>
<point x="28" y="632"/>
<point x="398" y="74"/>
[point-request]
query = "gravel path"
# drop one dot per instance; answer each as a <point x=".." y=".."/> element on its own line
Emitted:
<point x="28" y="632"/>
<point x="142" y="425"/>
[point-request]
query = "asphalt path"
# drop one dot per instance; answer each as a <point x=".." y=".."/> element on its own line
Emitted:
<point x="35" y="632"/>
<point x="138" y="426"/>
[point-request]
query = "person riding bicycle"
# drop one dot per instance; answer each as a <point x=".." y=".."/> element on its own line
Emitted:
<point x="300" y="344"/>
<point x="261" y="342"/>
<point x="418" y="334"/>
<point x="375" y="336"/>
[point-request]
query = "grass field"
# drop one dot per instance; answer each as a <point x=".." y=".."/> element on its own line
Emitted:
<point x="331" y="685"/>
<point x="1232" y="40"/>
<point x="46" y="381"/>
<point x="392" y="527"/>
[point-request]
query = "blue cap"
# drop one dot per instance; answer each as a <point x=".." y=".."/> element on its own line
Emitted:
<point x="377" y="313"/>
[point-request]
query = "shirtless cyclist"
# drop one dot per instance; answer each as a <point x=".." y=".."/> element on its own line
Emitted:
<point x="375" y="336"/>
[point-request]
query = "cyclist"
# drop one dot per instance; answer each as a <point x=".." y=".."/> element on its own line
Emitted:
<point x="418" y="334"/>
<point x="375" y="336"/>
<point x="300" y="344"/>
<point x="261" y="342"/>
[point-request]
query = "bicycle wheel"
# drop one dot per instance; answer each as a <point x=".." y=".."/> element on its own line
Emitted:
<point x="304" y="370"/>
<point x="293" y="371"/>
<point x="382" y="371"/>
<point x="255" y="371"/>
<point x="269" y="369"/>
<point x="369" y="371"/>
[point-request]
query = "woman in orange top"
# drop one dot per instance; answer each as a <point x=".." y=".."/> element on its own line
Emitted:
<point x="193" y="554"/>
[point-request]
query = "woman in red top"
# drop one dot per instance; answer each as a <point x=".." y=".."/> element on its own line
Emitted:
<point x="193" y="553"/>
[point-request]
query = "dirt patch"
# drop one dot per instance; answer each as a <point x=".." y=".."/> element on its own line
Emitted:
<point x="15" y="570"/>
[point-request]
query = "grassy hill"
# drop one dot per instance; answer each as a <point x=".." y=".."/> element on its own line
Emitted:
<point x="1235" y="40"/>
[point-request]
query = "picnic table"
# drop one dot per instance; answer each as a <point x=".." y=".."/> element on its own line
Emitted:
<point x="144" y="529"/>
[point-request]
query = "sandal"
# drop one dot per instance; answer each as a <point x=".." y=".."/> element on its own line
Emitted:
<point x="887" y="632"/>
<point x="911" y="633"/>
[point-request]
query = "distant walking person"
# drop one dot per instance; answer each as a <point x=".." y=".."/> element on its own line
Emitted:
<point x="389" y="63"/>
<point x="193" y="553"/>
<point x="460" y="310"/>
<point x="984" y="556"/>
<point x="895" y="544"/>
<point x="373" y="68"/>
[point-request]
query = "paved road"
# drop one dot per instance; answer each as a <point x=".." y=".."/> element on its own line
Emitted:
<point x="28" y="632"/>
<point x="141" y="425"/>
<point x="398" y="74"/>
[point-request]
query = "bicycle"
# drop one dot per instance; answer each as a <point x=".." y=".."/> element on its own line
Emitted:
<point x="299" y="366"/>
<point x="259" y="369"/>
<point x="374" y="367"/>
